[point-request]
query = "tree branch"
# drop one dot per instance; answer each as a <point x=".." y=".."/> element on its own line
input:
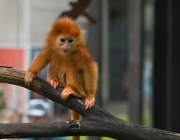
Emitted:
<point x="95" y="121"/>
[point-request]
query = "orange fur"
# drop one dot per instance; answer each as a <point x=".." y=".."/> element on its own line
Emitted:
<point x="76" y="70"/>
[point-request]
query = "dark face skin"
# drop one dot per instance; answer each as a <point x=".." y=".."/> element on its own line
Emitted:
<point x="65" y="43"/>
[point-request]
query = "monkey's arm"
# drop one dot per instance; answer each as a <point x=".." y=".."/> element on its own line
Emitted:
<point x="90" y="76"/>
<point x="38" y="64"/>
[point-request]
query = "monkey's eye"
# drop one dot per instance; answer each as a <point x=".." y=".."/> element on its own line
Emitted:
<point x="71" y="40"/>
<point x="62" y="40"/>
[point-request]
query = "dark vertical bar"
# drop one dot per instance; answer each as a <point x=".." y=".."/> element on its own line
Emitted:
<point x="175" y="65"/>
<point x="168" y="66"/>
<point x="160" y="55"/>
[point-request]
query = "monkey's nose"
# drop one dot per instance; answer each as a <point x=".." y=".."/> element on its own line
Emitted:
<point x="65" y="46"/>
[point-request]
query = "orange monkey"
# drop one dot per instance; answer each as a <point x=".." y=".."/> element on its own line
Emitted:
<point x="71" y="65"/>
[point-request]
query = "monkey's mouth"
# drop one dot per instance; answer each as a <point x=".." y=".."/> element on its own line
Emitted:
<point x="65" y="51"/>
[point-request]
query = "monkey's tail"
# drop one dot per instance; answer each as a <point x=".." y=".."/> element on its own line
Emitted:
<point x="75" y="116"/>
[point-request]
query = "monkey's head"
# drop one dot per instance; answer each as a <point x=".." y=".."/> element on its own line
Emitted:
<point x="66" y="35"/>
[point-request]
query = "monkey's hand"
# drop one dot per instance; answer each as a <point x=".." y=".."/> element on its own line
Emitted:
<point x="66" y="92"/>
<point x="54" y="83"/>
<point x="29" y="76"/>
<point x="89" y="102"/>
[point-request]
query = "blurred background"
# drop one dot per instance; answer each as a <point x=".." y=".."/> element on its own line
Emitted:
<point x="135" y="43"/>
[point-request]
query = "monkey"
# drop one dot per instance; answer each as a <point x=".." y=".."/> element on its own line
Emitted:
<point x="71" y="65"/>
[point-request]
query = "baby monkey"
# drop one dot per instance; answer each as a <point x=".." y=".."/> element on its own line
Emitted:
<point x="71" y="66"/>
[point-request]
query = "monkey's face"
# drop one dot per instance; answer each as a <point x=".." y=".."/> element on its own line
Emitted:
<point x="66" y="43"/>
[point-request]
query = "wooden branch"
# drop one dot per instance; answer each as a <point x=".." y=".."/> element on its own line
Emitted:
<point x="95" y="122"/>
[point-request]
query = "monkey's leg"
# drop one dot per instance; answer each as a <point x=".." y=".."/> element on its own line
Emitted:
<point x="74" y="115"/>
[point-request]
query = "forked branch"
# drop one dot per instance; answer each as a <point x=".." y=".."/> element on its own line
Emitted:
<point x="95" y="122"/>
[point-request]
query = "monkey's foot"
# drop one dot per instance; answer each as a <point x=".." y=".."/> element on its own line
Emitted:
<point x="66" y="92"/>
<point x="54" y="83"/>
<point x="89" y="102"/>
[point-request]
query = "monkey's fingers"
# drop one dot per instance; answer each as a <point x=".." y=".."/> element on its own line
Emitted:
<point x="66" y="92"/>
<point x="29" y="76"/>
<point x="89" y="103"/>
<point x="54" y="83"/>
